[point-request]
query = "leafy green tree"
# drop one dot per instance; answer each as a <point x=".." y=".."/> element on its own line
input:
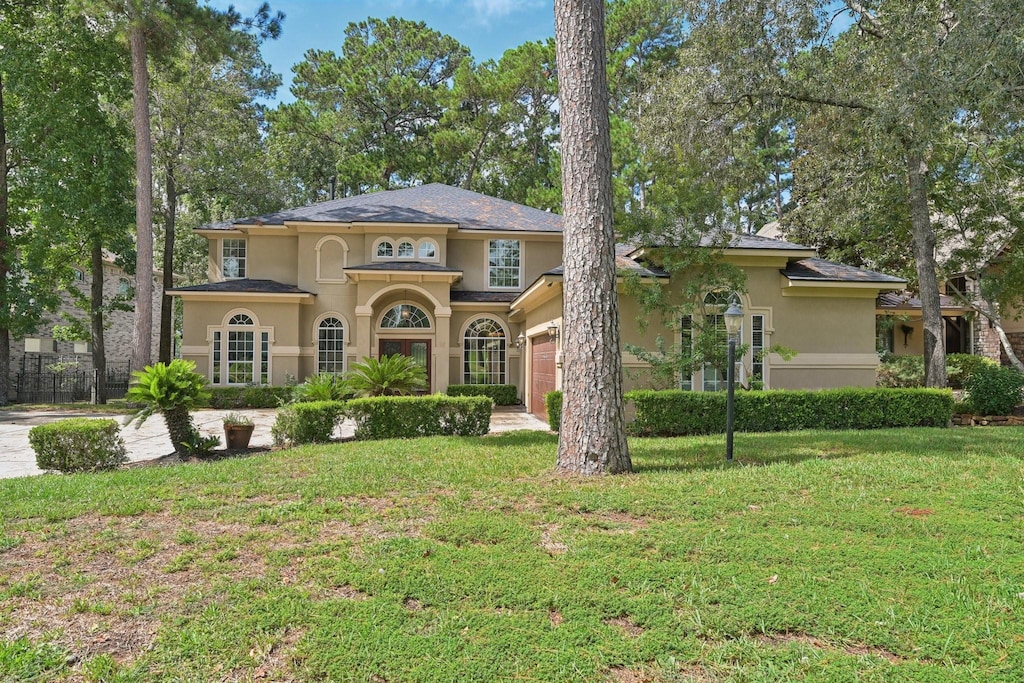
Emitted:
<point x="153" y="27"/>
<point x="208" y="145"/>
<point x="894" y="82"/>
<point x="374" y="105"/>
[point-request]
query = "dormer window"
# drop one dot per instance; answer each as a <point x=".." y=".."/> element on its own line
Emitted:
<point x="385" y="249"/>
<point x="406" y="250"/>
<point x="232" y="259"/>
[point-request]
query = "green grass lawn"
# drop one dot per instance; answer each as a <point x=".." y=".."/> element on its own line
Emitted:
<point x="855" y="556"/>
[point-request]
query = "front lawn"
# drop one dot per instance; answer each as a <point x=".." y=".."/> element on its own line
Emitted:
<point x="854" y="556"/>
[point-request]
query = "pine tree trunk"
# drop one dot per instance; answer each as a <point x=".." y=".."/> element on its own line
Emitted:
<point x="928" y="284"/>
<point x="142" y="336"/>
<point x="592" y="439"/>
<point x="99" y="352"/>
<point x="5" y="255"/>
<point x="166" y="303"/>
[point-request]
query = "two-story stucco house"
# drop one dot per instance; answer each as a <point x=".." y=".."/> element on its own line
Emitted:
<point x="471" y="286"/>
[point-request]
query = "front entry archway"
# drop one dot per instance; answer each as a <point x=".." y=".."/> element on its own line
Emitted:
<point x="417" y="349"/>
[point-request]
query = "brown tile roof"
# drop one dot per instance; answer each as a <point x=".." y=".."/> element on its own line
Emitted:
<point x="907" y="301"/>
<point x="827" y="271"/>
<point x="433" y="203"/>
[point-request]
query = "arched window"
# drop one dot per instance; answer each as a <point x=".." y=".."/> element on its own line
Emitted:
<point x="385" y="249"/>
<point x="403" y="316"/>
<point x="331" y="259"/>
<point x="330" y="346"/>
<point x="428" y="250"/>
<point x="406" y="250"/>
<point x="240" y="352"/>
<point x="715" y="304"/>
<point x="484" y="353"/>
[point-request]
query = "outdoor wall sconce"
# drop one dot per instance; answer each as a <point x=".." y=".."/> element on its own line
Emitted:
<point x="552" y="332"/>
<point x="520" y="341"/>
<point x="907" y="330"/>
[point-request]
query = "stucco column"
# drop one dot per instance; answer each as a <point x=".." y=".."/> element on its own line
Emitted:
<point x="364" y="317"/>
<point x="442" y="344"/>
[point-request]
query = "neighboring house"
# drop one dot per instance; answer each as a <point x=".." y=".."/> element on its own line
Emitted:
<point x="471" y="286"/>
<point x="40" y="350"/>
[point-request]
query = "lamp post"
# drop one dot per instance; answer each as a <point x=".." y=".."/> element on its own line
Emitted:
<point x="733" y="319"/>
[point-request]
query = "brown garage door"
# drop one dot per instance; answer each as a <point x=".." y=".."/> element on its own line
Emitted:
<point x="543" y="371"/>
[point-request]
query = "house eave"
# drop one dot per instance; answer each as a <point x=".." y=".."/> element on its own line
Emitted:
<point x="233" y="297"/>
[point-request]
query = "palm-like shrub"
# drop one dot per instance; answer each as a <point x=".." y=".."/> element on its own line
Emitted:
<point x="323" y="387"/>
<point x="171" y="389"/>
<point x="389" y="376"/>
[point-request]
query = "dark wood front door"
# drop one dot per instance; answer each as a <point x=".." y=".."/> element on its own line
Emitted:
<point x="542" y="375"/>
<point x="417" y="349"/>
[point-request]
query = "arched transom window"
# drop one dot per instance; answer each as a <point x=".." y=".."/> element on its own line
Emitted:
<point x="405" y="315"/>
<point x="406" y="249"/>
<point x="385" y="249"/>
<point x="484" y="351"/>
<point x="240" y="352"/>
<point x="330" y="346"/>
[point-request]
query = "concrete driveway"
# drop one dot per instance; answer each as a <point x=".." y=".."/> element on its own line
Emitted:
<point x="150" y="441"/>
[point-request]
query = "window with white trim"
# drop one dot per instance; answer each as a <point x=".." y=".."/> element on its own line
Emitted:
<point x="686" y="342"/>
<point x="404" y="316"/>
<point x="484" y="352"/>
<point x="232" y="258"/>
<point x="330" y="346"/>
<point x="385" y="249"/>
<point x="240" y="353"/>
<point x="503" y="264"/>
<point x="428" y="250"/>
<point x="78" y="274"/>
<point x="406" y="249"/>
<point x="757" y="348"/>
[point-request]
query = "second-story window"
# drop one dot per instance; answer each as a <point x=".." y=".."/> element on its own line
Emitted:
<point x="428" y="250"/>
<point x="233" y="258"/>
<point x="385" y="250"/>
<point x="503" y="264"/>
<point x="406" y="250"/>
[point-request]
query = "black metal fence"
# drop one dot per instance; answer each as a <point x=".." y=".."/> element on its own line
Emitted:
<point x="56" y="385"/>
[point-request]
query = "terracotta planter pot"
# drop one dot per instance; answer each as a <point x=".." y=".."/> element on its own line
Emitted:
<point x="237" y="436"/>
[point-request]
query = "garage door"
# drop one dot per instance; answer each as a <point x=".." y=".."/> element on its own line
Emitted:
<point x="543" y="375"/>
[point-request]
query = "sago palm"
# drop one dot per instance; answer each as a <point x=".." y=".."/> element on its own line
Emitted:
<point x="171" y="389"/>
<point x="389" y="376"/>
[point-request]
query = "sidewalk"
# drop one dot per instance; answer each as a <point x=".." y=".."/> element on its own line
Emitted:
<point x="150" y="441"/>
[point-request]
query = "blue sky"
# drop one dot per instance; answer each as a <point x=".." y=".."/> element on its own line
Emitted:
<point x="486" y="27"/>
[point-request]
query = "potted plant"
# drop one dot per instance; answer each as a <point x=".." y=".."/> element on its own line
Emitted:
<point x="237" y="431"/>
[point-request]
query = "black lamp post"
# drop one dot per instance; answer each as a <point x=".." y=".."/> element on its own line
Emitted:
<point x="733" y="319"/>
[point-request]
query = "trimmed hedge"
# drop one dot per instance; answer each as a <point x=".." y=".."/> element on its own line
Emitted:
<point x="501" y="394"/>
<point x="404" y="417"/>
<point x="310" y="422"/>
<point x="679" y="413"/>
<point x="78" y="444"/>
<point x="232" y="398"/>
<point x="553" y="404"/>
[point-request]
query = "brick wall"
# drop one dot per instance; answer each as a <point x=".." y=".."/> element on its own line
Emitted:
<point x="118" y="334"/>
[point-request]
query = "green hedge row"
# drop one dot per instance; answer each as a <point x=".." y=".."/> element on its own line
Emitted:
<point x="678" y="413"/>
<point x="309" y="422"/>
<point x="78" y="444"/>
<point x="231" y="398"/>
<point x="501" y="394"/>
<point x="401" y="417"/>
<point x="553" y="404"/>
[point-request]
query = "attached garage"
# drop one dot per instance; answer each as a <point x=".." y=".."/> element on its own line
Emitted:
<point x="542" y="374"/>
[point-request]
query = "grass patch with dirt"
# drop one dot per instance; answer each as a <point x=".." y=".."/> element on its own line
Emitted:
<point x="841" y="556"/>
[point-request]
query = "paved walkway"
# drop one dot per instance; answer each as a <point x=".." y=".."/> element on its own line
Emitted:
<point x="150" y="441"/>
